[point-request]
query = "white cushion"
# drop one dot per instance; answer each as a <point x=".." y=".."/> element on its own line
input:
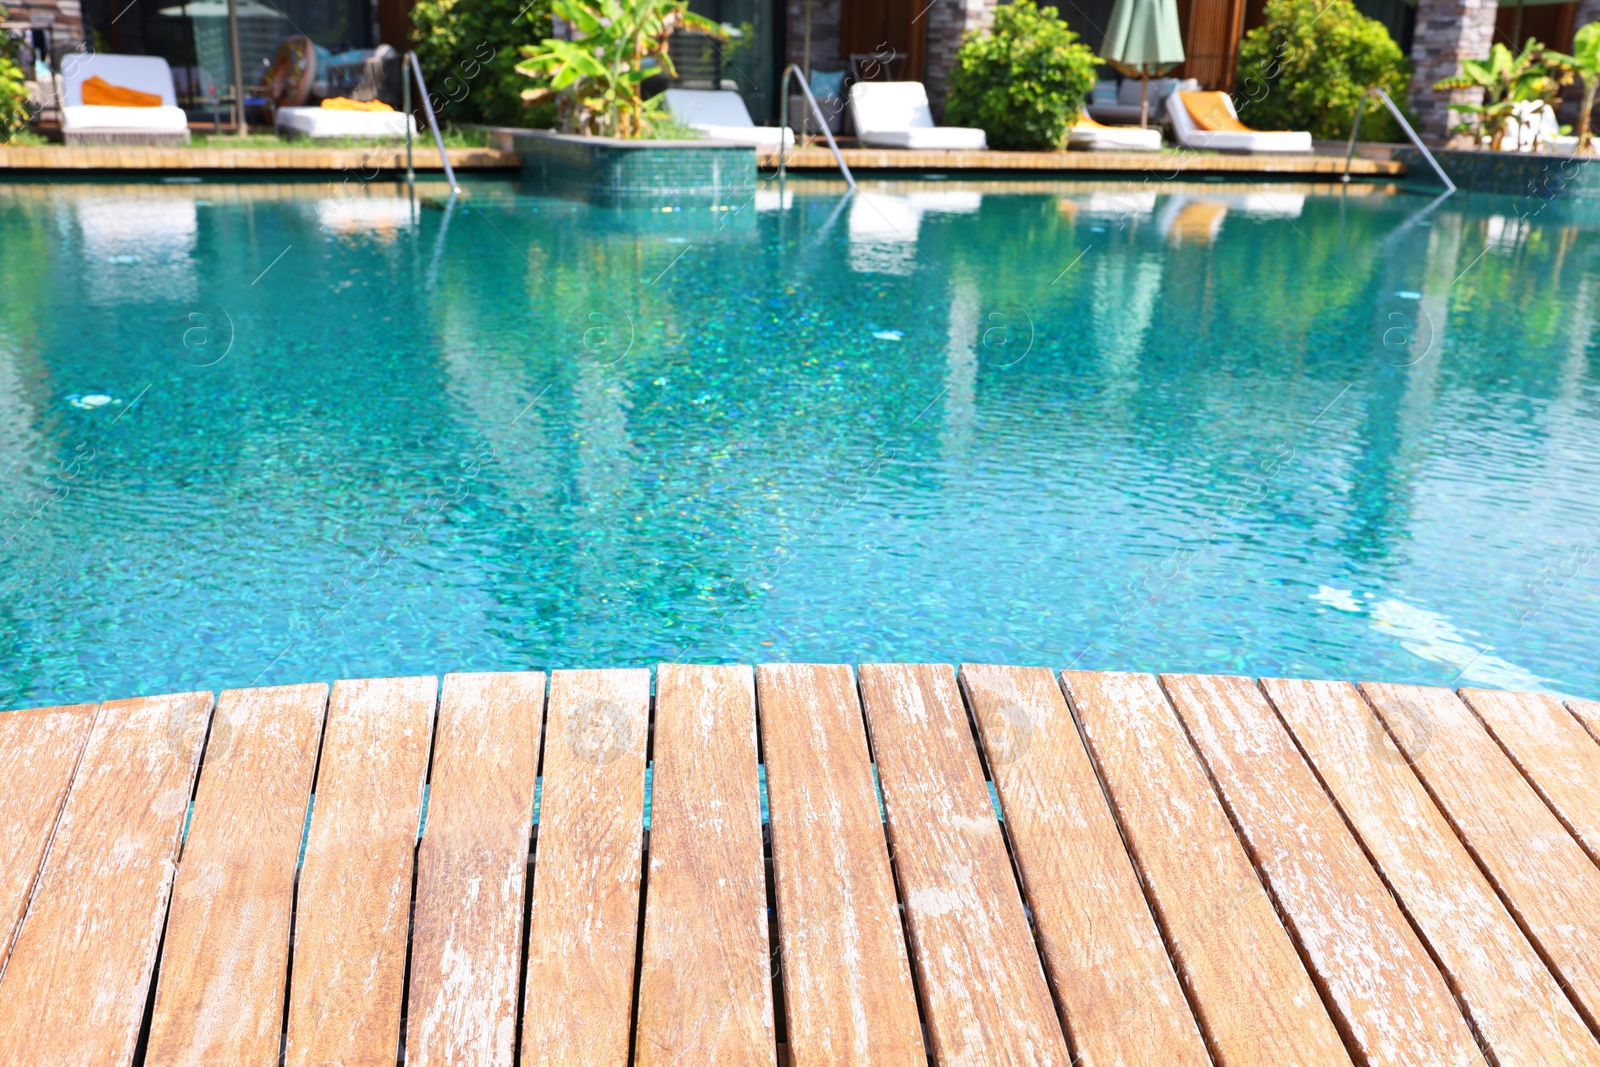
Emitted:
<point x="330" y="122"/>
<point x="1114" y="139"/>
<point x="1191" y="135"/>
<point x="896" y="115"/>
<point x="147" y="74"/>
<point x="708" y="107"/>
<point x="759" y="136"/>
<point x="95" y="118"/>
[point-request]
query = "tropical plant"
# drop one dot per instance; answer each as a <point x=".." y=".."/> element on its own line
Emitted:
<point x="1023" y="81"/>
<point x="1585" y="62"/>
<point x="1308" y="64"/>
<point x="13" y="94"/>
<point x="597" y="78"/>
<point x="1536" y="74"/>
<point x="469" y="50"/>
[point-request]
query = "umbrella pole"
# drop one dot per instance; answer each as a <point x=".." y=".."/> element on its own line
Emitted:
<point x="238" y="71"/>
<point x="1144" y="96"/>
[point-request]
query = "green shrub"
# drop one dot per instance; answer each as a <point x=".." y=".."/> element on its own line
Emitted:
<point x="1024" y="81"/>
<point x="13" y="96"/>
<point x="1306" y="67"/>
<point x="469" y="54"/>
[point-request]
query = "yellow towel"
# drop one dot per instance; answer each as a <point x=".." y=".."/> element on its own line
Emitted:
<point x="1086" y="123"/>
<point x="344" y="103"/>
<point x="99" y="92"/>
<point x="1211" y="113"/>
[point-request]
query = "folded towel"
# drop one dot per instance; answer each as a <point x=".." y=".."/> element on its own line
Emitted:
<point x="99" y="92"/>
<point x="1211" y="114"/>
<point x="344" y="103"/>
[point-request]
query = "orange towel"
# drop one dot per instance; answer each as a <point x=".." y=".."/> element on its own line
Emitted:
<point x="344" y="103"/>
<point x="1211" y="114"/>
<point x="1086" y="123"/>
<point x="98" y="91"/>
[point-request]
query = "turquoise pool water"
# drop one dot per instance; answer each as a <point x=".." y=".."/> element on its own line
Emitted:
<point x="253" y="434"/>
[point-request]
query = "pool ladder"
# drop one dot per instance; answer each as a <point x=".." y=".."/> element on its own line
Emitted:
<point x="1449" y="185"/>
<point x="433" y="123"/>
<point x="816" y="110"/>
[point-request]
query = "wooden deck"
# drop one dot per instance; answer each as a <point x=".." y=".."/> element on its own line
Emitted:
<point x="135" y="158"/>
<point x="803" y="865"/>
<point x="1170" y="163"/>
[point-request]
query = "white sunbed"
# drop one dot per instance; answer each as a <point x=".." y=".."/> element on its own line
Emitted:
<point x="1089" y="135"/>
<point x="720" y="114"/>
<point x="896" y="115"/>
<point x="99" y="124"/>
<point x="318" y="122"/>
<point x="1189" y="134"/>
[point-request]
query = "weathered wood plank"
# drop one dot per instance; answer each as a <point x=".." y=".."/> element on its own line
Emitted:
<point x="1101" y="947"/>
<point x="1254" y="1000"/>
<point x="39" y="750"/>
<point x="583" y="930"/>
<point x="1552" y="750"/>
<point x="705" y="985"/>
<point x="982" y="983"/>
<point x="846" y="979"/>
<point x="1588" y="713"/>
<point x="74" y="990"/>
<point x="1383" y="989"/>
<point x="472" y="871"/>
<point x="1517" y="1008"/>
<point x="226" y="955"/>
<point x="1542" y="873"/>
<point x="354" y="906"/>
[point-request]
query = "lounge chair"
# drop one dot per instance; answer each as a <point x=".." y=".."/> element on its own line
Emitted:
<point x="720" y="114"/>
<point x="130" y="100"/>
<point x="1208" y="121"/>
<point x="1089" y="135"/>
<point x="326" y="121"/>
<point x="1118" y="105"/>
<point x="896" y="115"/>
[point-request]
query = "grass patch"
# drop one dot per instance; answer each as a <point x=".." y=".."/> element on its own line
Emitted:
<point x="453" y="138"/>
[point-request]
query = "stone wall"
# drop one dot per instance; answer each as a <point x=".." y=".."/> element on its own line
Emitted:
<point x="825" y="19"/>
<point x="947" y="21"/>
<point x="1447" y="32"/>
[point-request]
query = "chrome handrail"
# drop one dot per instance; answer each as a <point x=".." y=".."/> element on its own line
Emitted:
<point x="433" y="124"/>
<point x="1449" y="185"/>
<point x="816" y="109"/>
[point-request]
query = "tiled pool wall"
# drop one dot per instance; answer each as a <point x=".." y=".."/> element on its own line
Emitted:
<point x="1544" y="176"/>
<point x="604" y="170"/>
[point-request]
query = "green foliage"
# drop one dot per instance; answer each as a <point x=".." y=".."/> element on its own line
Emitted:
<point x="1536" y="74"/>
<point x="1586" y="64"/>
<point x="1307" y="66"/>
<point x="597" y="79"/>
<point x="13" y="96"/>
<point x="468" y="50"/>
<point x="1023" y="81"/>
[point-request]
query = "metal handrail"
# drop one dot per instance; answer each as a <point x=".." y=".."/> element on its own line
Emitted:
<point x="433" y="124"/>
<point x="816" y="109"/>
<point x="1449" y="185"/>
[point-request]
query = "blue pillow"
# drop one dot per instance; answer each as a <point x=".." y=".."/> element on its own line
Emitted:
<point x="827" y="82"/>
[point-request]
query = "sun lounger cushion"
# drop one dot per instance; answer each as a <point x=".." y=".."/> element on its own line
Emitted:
<point x="1208" y="121"/>
<point x="720" y="114"/>
<point x="1090" y="135"/>
<point x="318" y="122"/>
<point x="84" y="121"/>
<point x="896" y="115"/>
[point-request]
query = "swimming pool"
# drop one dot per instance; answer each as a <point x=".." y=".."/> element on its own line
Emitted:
<point x="257" y="433"/>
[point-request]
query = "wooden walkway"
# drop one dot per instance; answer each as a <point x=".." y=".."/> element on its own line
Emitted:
<point x="803" y="865"/>
<point x="67" y="159"/>
<point x="1127" y="164"/>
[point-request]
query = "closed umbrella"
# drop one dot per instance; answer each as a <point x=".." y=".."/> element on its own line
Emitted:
<point x="1144" y="37"/>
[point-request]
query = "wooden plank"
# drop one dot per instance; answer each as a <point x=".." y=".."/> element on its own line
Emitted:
<point x="74" y="990"/>
<point x="1552" y="750"/>
<point x="1588" y="713"/>
<point x="705" y="983"/>
<point x="1540" y="870"/>
<point x="1101" y="947"/>
<point x="846" y="979"/>
<point x="354" y="906"/>
<point x="1383" y="989"/>
<point x="583" y="930"/>
<point x="226" y="955"/>
<point x="472" y="871"/>
<point x="982" y="983"/>
<point x="1251" y="994"/>
<point x="1517" y="1009"/>
<point x="39" y="750"/>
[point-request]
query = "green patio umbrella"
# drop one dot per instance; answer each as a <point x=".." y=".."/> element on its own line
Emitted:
<point x="1143" y="37"/>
